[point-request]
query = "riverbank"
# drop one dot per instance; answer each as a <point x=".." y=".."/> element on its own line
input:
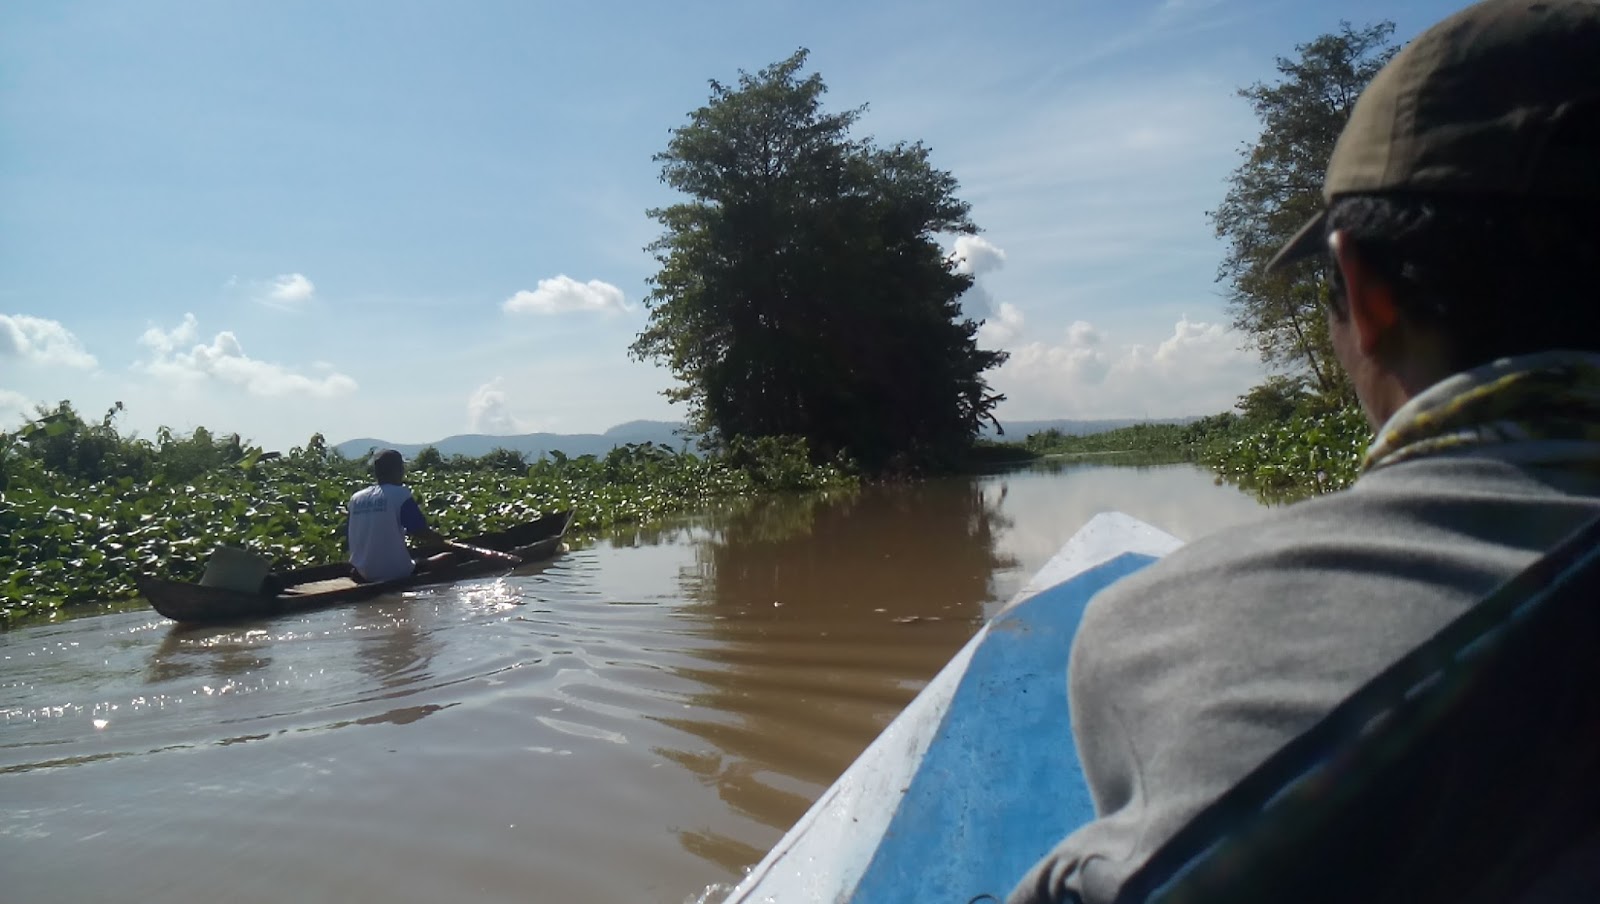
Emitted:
<point x="85" y="510"/>
<point x="71" y="543"/>
<point x="1307" y="452"/>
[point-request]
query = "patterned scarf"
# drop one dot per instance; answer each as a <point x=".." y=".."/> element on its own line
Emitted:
<point x="1541" y="408"/>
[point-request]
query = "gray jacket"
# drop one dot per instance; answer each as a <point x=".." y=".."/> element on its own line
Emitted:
<point x="1189" y="673"/>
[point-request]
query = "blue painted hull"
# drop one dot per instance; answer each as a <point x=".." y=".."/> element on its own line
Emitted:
<point x="979" y="777"/>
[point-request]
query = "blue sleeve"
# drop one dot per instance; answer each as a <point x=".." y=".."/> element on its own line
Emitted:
<point x="411" y="517"/>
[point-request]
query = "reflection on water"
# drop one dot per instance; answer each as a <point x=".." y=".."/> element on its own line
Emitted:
<point x="638" y="720"/>
<point x="828" y="619"/>
<point x="212" y="652"/>
<point x="394" y="651"/>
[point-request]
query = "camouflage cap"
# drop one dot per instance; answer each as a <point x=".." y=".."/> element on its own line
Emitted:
<point x="1501" y="99"/>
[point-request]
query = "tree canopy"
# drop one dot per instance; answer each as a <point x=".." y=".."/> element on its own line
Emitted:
<point x="1278" y="186"/>
<point x="802" y="290"/>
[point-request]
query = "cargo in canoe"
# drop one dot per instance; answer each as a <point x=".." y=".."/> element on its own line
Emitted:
<point x="320" y="586"/>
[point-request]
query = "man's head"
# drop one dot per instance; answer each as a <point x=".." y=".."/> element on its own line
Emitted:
<point x="1462" y="200"/>
<point x="388" y="466"/>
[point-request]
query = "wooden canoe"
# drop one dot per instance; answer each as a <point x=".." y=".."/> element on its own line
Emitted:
<point x="320" y="586"/>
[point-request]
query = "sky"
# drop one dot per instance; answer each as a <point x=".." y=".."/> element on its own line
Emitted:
<point x="405" y="220"/>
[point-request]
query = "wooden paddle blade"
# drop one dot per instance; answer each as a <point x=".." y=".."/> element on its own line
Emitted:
<point x="482" y="553"/>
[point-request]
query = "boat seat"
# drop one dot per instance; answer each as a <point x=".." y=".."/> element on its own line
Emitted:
<point x="1469" y="771"/>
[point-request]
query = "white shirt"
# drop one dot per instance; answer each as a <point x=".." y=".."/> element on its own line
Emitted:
<point x="378" y="528"/>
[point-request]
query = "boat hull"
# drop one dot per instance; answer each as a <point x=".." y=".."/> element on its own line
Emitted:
<point x="978" y="777"/>
<point x="300" y="590"/>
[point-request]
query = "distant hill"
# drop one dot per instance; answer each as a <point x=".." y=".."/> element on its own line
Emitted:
<point x="1017" y="431"/>
<point x="531" y="444"/>
<point x="663" y="433"/>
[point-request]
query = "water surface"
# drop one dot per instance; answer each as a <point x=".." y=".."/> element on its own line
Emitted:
<point x="637" y="721"/>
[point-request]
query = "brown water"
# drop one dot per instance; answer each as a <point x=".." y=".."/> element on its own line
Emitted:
<point x="637" y="721"/>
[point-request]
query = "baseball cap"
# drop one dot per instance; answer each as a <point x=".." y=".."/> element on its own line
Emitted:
<point x="386" y="460"/>
<point x="1501" y="99"/>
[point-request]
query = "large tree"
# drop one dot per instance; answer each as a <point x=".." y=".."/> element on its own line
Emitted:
<point x="802" y="289"/>
<point x="1278" y="186"/>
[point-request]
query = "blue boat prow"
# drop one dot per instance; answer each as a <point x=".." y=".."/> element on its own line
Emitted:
<point x="978" y="778"/>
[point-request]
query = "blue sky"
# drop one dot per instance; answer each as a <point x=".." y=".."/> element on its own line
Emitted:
<point x="412" y="219"/>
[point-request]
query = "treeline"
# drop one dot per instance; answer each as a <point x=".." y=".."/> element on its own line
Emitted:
<point x="1285" y="441"/>
<point x="83" y="508"/>
<point x="1301" y="432"/>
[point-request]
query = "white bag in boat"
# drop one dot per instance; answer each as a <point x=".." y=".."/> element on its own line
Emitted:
<point x="231" y="568"/>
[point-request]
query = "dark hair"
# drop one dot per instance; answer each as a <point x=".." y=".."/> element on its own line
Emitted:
<point x="388" y="466"/>
<point x="1495" y="277"/>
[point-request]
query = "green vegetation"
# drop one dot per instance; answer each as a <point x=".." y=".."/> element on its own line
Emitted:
<point x="1300" y="433"/>
<point x="1278" y="187"/>
<point x="83" y="509"/>
<point x="1284" y="443"/>
<point x="1316" y="450"/>
<point x="988" y="453"/>
<point x="801" y="289"/>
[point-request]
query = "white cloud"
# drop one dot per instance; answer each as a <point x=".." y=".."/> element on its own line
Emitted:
<point x="1198" y="369"/>
<point x="1082" y="333"/>
<point x="14" y="408"/>
<point x="975" y="255"/>
<point x="487" y="411"/>
<point x="1078" y="362"/>
<point x="564" y="294"/>
<point x="224" y="360"/>
<point x="998" y="330"/>
<point x="165" y="343"/>
<point x="291" y="288"/>
<point x="41" y="341"/>
<point x="286" y="291"/>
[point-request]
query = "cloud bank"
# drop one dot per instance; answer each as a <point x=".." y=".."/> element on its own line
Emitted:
<point x="40" y="341"/>
<point x="1198" y="369"/>
<point x="1002" y="328"/>
<point x="224" y="360"/>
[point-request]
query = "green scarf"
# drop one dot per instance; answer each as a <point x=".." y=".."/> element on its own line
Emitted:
<point x="1542" y="408"/>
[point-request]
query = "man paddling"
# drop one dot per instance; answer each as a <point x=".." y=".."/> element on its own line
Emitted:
<point x="381" y="517"/>
<point x="1462" y="236"/>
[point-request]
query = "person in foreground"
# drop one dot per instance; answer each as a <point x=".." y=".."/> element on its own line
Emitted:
<point x="381" y="517"/>
<point x="1462" y="235"/>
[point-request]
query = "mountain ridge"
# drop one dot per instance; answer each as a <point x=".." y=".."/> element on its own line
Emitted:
<point x="666" y="433"/>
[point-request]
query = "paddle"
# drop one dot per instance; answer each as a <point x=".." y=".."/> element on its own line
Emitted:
<point x="482" y="553"/>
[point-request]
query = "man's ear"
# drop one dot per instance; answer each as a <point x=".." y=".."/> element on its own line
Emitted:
<point x="1369" y="299"/>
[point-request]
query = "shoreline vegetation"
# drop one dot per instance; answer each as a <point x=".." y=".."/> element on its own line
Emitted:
<point x="83" y="509"/>
<point x="1310" y="451"/>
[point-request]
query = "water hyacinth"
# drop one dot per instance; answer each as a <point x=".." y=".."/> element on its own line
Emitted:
<point x="1314" y="447"/>
<point x="65" y="542"/>
<point x="1309" y="454"/>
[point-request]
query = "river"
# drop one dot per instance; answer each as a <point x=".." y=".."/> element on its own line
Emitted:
<point x="636" y="721"/>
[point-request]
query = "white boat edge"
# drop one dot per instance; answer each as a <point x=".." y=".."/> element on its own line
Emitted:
<point x="822" y="857"/>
